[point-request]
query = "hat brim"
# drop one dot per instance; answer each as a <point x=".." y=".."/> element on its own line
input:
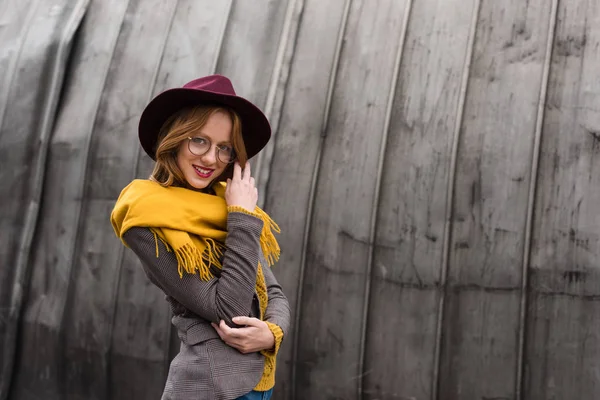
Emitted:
<point x="256" y="130"/>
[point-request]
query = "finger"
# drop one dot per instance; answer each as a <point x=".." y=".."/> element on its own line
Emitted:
<point x="247" y="173"/>
<point x="236" y="346"/>
<point x="248" y="321"/>
<point x="221" y="334"/>
<point x="228" y="182"/>
<point x="228" y="331"/>
<point x="237" y="171"/>
<point x="252" y="182"/>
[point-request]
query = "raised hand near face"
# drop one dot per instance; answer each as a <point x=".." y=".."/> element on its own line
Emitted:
<point x="241" y="189"/>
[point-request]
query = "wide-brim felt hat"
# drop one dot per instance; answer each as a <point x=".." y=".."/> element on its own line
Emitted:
<point x="215" y="90"/>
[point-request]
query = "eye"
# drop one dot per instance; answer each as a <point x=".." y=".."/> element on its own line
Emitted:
<point x="225" y="148"/>
<point x="199" y="140"/>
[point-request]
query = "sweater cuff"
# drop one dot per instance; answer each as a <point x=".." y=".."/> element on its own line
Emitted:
<point x="242" y="210"/>
<point x="278" y="333"/>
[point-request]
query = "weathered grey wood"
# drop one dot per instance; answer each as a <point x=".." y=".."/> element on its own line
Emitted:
<point x="88" y="323"/>
<point x="450" y="200"/>
<point x="93" y="327"/>
<point x="330" y="330"/>
<point x="142" y="326"/>
<point x="481" y="321"/>
<point x="24" y="146"/>
<point x="295" y="156"/>
<point x="250" y="47"/>
<point x="376" y="198"/>
<point x="61" y="204"/>
<point x="531" y="201"/>
<point x="276" y="93"/>
<point x="401" y="335"/>
<point x="563" y="346"/>
<point x="15" y="19"/>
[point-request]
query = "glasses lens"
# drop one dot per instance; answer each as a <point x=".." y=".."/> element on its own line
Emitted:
<point x="198" y="146"/>
<point x="225" y="154"/>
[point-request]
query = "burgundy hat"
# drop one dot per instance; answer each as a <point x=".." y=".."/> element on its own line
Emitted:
<point x="213" y="89"/>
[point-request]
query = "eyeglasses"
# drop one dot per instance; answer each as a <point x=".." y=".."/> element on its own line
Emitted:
<point x="200" y="146"/>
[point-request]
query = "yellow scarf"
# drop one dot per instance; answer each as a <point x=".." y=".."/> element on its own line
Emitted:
<point x="191" y="224"/>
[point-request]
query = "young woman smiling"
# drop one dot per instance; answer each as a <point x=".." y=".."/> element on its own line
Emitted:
<point x="202" y="240"/>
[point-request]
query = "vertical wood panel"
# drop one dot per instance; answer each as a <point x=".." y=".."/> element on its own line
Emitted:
<point x="52" y="257"/>
<point x="142" y="326"/>
<point x="276" y="94"/>
<point x="410" y="225"/>
<point x="295" y="156"/>
<point x="15" y="22"/>
<point x="33" y="77"/>
<point x="330" y="330"/>
<point x="250" y="47"/>
<point x="481" y="321"/>
<point x="132" y="74"/>
<point x="563" y="347"/>
<point x="376" y="197"/>
<point x="531" y="200"/>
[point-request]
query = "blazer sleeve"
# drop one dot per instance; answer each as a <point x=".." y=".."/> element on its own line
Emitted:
<point x="278" y="308"/>
<point x="221" y="298"/>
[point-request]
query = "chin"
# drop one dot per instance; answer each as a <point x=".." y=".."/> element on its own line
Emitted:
<point x="199" y="185"/>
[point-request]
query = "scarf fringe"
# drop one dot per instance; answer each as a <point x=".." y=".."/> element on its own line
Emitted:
<point x="268" y="242"/>
<point x="193" y="261"/>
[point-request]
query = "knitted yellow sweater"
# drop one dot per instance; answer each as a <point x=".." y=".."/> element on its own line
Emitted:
<point x="267" y="380"/>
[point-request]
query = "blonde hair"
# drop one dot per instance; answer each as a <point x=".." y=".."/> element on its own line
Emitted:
<point x="178" y="128"/>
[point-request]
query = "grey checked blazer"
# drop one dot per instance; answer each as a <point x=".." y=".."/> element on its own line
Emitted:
<point x="206" y="367"/>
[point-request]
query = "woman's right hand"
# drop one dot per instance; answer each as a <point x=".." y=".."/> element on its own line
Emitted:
<point x="241" y="190"/>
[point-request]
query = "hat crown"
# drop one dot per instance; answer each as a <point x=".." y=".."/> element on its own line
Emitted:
<point x="212" y="83"/>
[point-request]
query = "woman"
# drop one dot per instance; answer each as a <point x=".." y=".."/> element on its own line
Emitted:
<point x="204" y="242"/>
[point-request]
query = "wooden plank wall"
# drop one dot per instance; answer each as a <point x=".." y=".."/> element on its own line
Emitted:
<point x="563" y="310"/>
<point x="434" y="169"/>
<point x="36" y="40"/>
<point x="494" y="157"/>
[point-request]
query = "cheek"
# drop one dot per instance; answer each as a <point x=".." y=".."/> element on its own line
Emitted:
<point x="222" y="168"/>
<point x="181" y="157"/>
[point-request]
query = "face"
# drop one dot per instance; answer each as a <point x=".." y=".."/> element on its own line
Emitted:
<point x="200" y="171"/>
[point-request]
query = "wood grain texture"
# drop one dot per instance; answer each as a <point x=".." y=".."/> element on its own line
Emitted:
<point x="142" y="320"/>
<point x="481" y="321"/>
<point x="250" y="47"/>
<point x="88" y="324"/>
<point x="411" y="216"/>
<point x="61" y="204"/>
<point x="15" y="22"/>
<point x="276" y="94"/>
<point x="334" y="286"/>
<point x="40" y="58"/>
<point x="295" y="156"/>
<point x="563" y="346"/>
<point x="59" y="219"/>
<point x="410" y="196"/>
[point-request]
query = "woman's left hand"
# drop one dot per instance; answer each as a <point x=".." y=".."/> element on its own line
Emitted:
<point x="254" y="336"/>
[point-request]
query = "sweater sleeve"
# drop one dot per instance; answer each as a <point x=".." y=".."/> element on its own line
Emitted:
<point x="221" y="298"/>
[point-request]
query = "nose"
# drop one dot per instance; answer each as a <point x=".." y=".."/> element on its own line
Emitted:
<point x="210" y="157"/>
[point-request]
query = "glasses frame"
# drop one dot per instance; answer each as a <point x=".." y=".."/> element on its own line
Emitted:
<point x="233" y="155"/>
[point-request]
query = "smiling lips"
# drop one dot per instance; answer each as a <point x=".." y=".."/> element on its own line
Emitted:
<point x="203" y="172"/>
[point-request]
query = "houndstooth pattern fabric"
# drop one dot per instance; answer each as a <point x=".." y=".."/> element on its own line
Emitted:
<point x="206" y="367"/>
